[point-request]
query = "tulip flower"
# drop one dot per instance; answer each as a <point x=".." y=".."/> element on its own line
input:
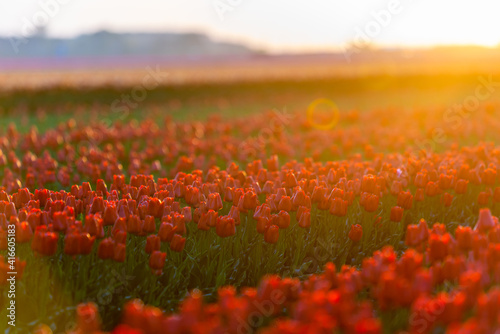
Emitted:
<point x="44" y="242"/>
<point x="438" y="246"/>
<point x="120" y="237"/>
<point x="483" y="198"/>
<point x="412" y="238"/>
<point x="283" y="219"/>
<point x="461" y="186"/>
<point x="110" y="214"/>
<point x="214" y="202"/>
<point x="262" y="224"/>
<point x="299" y="198"/>
<point x="149" y="224"/>
<point x="94" y="226"/>
<point x="431" y="189"/>
<point x="369" y="184"/>
<point x="485" y="221"/>
<point x="88" y="320"/>
<point x="405" y="200"/>
<point x="271" y="235"/>
<point x="177" y="244"/>
<point x="421" y="180"/>
<point x="290" y="180"/>
<point x="285" y="204"/>
<point x="157" y="261"/>
<point x="305" y="219"/>
<point x="179" y="222"/>
<point x="152" y="243"/>
<point x="396" y="214"/>
<point x="262" y="211"/>
<point x="235" y="214"/>
<point x="135" y="225"/>
<point x="464" y="237"/>
<point x="23" y="232"/>
<point x="250" y="201"/>
<point x="167" y="231"/>
<point x="371" y="202"/>
<point x="225" y="227"/>
<point x="119" y="252"/>
<point x="356" y="233"/>
<point x="489" y="176"/>
<point x="106" y="249"/>
<point x="318" y="194"/>
<point x="338" y="207"/>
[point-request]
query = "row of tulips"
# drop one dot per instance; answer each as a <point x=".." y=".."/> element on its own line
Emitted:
<point x="149" y="219"/>
<point x="446" y="283"/>
<point x="74" y="151"/>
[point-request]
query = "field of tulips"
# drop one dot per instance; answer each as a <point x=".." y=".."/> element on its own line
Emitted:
<point x="381" y="221"/>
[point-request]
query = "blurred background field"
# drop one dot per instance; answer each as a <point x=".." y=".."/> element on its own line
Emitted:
<point x="195" y="91"/>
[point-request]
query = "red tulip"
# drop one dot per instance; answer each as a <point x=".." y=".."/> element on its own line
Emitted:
<point x="412" y="236"/>
<point x="299" y="198"/>
<point x="421" y="180"/>
<point x="483" y="198"/>
<point x="120" y="237"/>
<point x="149" y="224"/>
<point x="431" y="189"/>
<point x="157" y="261"/>
<point x="371" y="202"/>
<point x="396" y="214"/>
<point x="305" y="219"/>
<point x="338" y="207"/>
<point x="461" y="186"/>
<point x="369" y="184"/>
<point x="166" y="232"/>
<point x="94" y="226"/>
<point x="464" y="237"/>
<point x="214" y="202"/>
<point x="88" y="319"/>
<point x="225" y="227"/>
<point x="356" y="233"/>
<point x="485" y="221"/>
<point x="285" y="204"/>
<point x="283" y="219"/>
<point x="44" y="242"/>
<point x="262" y="224"/>
<point x="119" y="252"/>
<point x="489" y="176"/>
<point x="405" y="200"/>
<point x="235" y="214"/>
<point x="272" y="234"/>
<point x="290" y="180"/>
<point x="250" y="201"/>
<point x="135" y="224"/>
<point x="438" y="246"/>
<point x="23" y="232"/>
<point x="106" y="249"/>
<point x="152" y="243"/>
<point x="177" y="244"/>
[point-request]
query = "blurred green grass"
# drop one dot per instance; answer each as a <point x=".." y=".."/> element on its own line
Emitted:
<point x="196" y="102"/>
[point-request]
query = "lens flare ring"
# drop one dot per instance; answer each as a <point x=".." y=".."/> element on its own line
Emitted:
<point x="312" y="108"/>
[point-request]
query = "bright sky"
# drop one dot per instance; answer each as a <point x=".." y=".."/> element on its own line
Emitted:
<point x="276" y="25"/>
